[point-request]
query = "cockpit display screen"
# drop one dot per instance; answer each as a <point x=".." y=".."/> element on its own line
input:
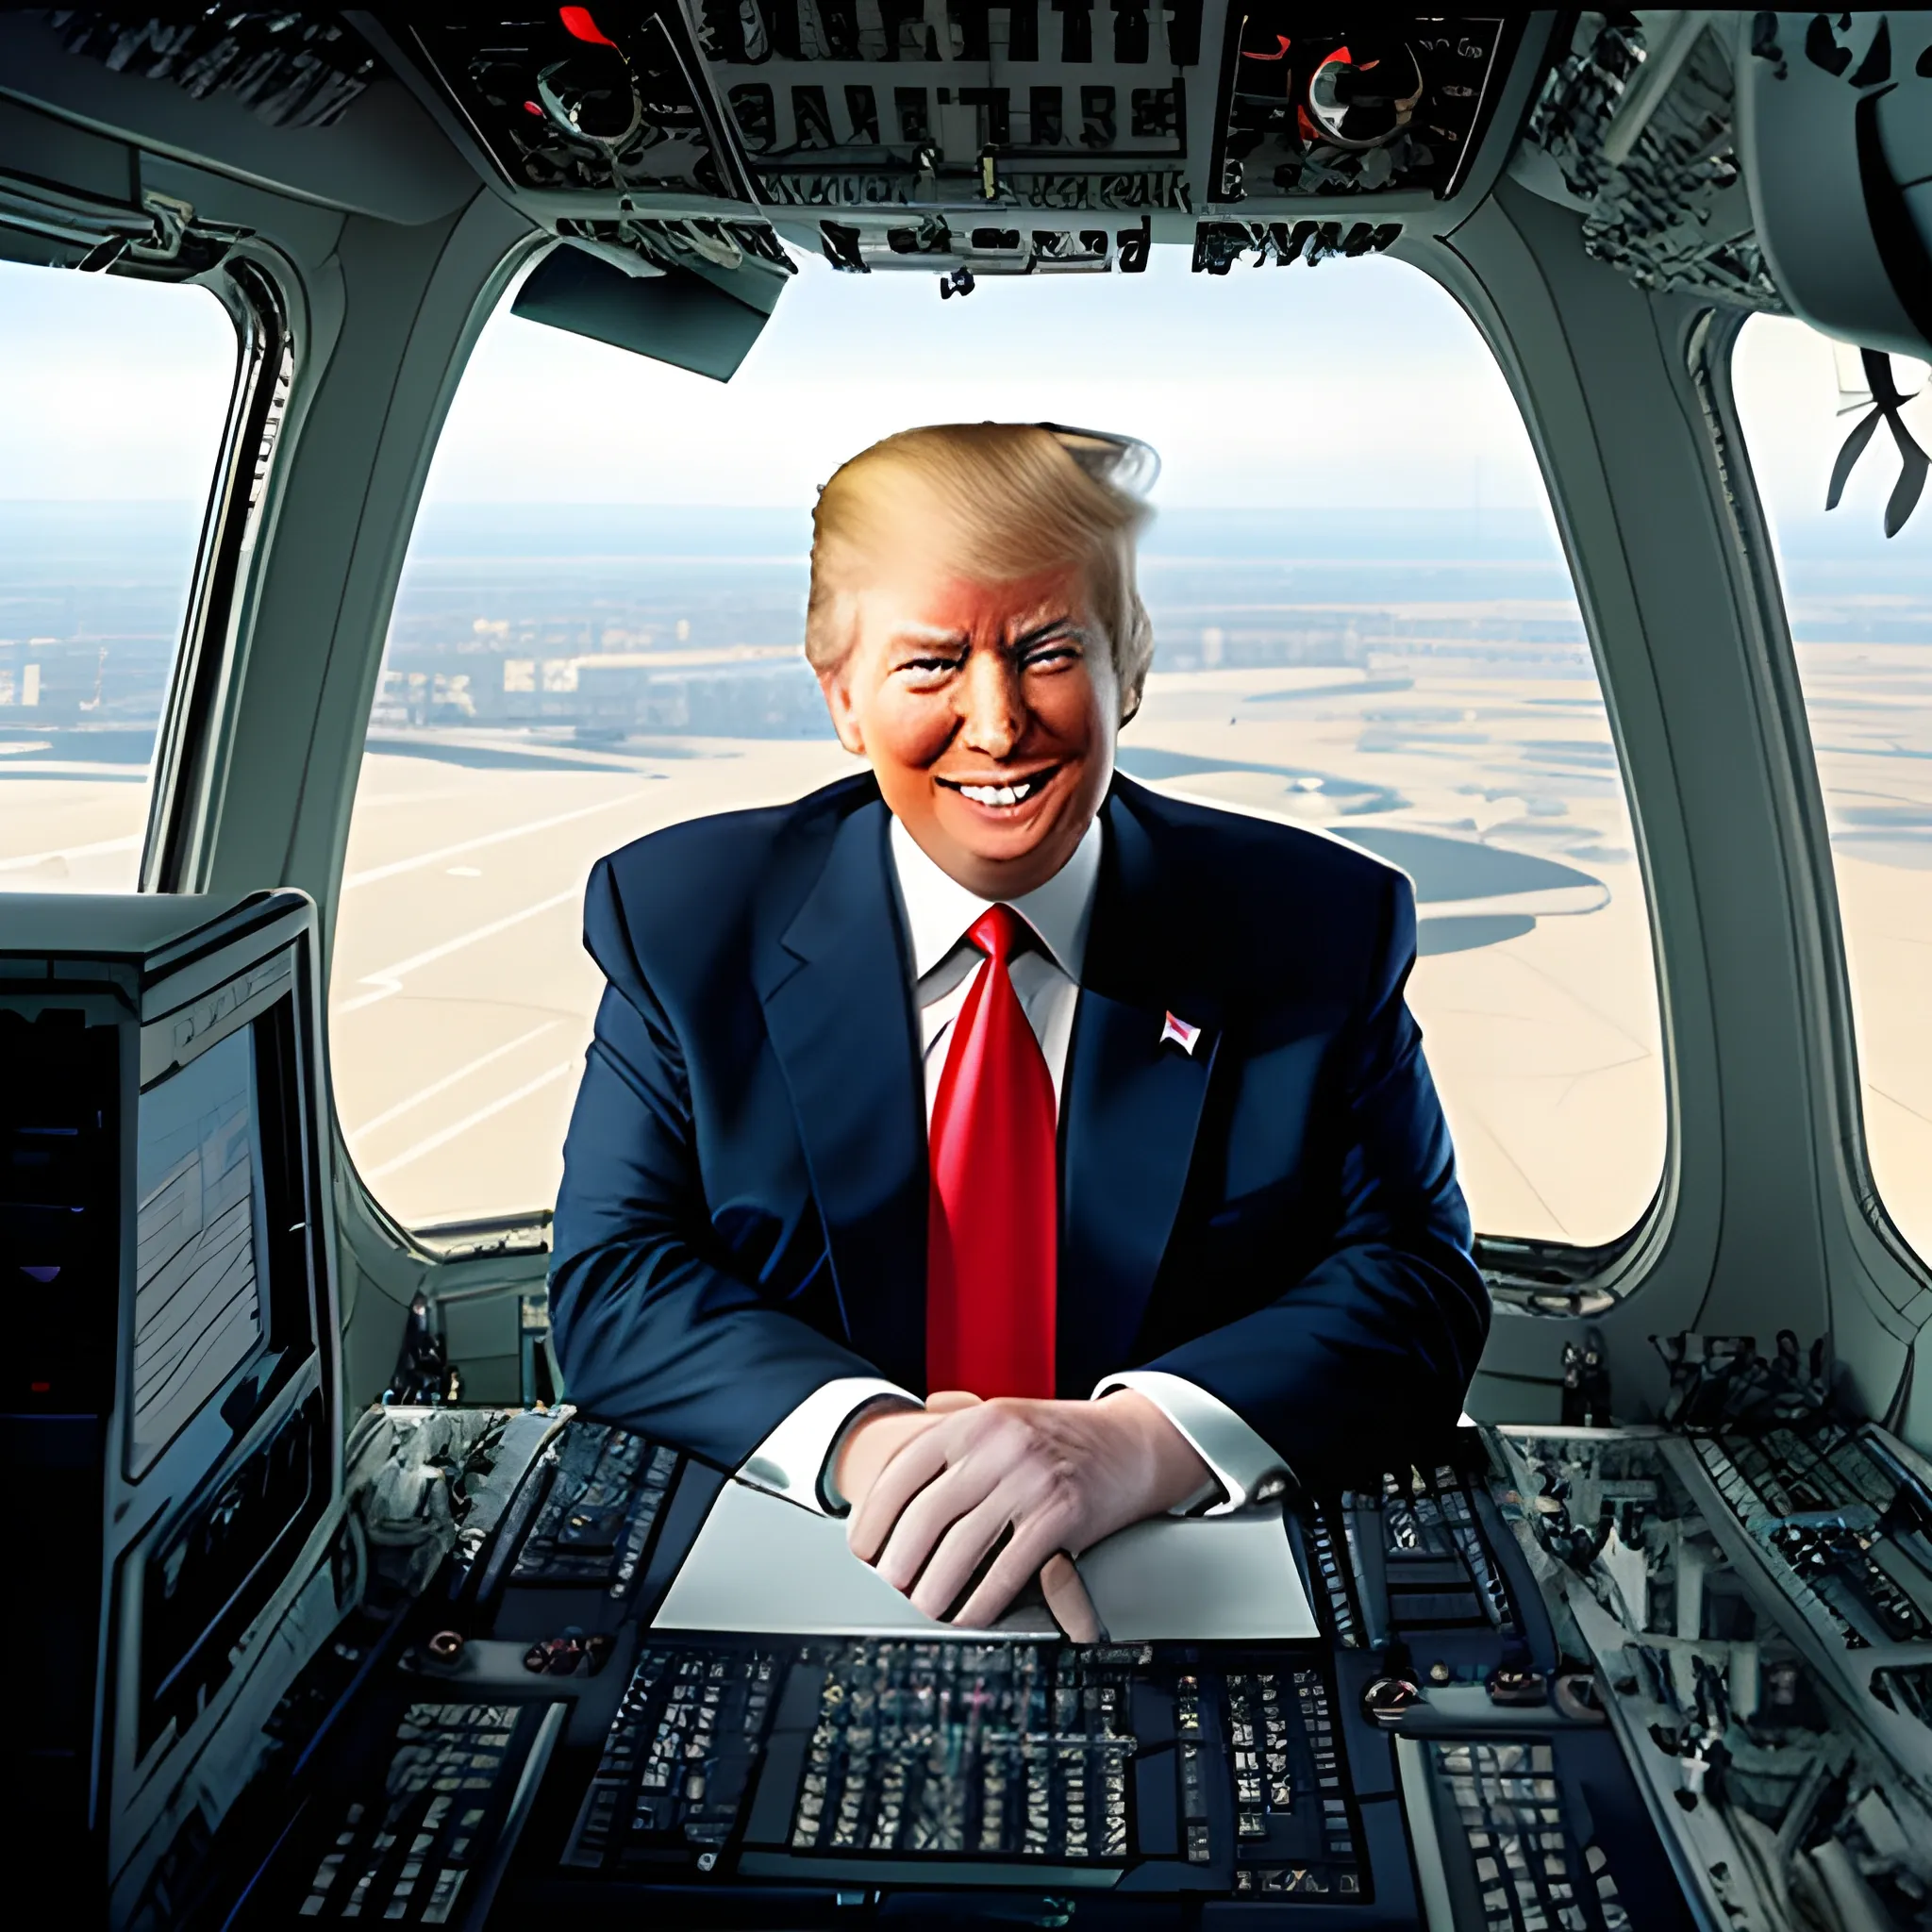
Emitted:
<point x="197" y="1298"/>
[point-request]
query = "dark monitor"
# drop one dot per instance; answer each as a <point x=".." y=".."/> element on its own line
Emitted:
<point x="168" y="1390"/>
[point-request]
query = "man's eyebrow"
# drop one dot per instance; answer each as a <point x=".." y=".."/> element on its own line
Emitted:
<point x="1066" y="621"/>
<point x="926" y="634"/>
<point x="929" y="635"/>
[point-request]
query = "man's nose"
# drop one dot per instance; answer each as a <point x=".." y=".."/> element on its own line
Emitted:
<point x="992" y="704"/>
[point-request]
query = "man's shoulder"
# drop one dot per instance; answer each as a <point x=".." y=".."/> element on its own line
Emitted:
<point x="689" y="887"/>
<point x="1261" y="908"/>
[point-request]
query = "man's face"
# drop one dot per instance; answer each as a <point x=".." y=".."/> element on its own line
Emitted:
<point x="989" y="713"/>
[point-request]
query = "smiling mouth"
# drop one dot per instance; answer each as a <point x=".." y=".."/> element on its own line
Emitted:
<point x="1003" y="795"/>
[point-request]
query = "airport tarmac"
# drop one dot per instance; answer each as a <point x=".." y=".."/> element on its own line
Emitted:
<point x="461" y="999"/>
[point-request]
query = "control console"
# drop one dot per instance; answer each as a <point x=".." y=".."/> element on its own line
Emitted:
<point x="955" y="1763"/>
<point x="1555" y="1673"/>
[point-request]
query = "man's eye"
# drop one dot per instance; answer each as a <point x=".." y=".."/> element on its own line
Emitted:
<point x="930" y="667"/>
<point x="1050" y="657"/>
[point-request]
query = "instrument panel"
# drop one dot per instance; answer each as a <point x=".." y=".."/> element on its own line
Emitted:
<point x="1436" y="1748"/>
<point x="854" y="111"/>
<point x="1563" y="1676"/>
<point x="1355" y="107"/>
<point x="564" y="100"/>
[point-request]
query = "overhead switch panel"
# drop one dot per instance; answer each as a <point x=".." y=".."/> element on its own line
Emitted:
<point x="1071" y="105"/>
<point x="1333" y="106"/>
<point x="565" y="99"/>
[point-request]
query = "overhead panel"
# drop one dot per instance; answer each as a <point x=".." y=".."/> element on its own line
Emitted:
<point x="1354" y="105"/>
<point x="1067" y="108"/>
<point x="606" y="122"/>
<point x="565" y="100"/>
<point x="960" y="139"/>
<point x="1769" y="161"/>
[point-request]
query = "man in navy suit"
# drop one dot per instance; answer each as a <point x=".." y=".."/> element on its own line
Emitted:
<point x="986" y="1144"/>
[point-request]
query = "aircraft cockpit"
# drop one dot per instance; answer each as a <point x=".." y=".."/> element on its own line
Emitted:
<point x="422" y="436"/>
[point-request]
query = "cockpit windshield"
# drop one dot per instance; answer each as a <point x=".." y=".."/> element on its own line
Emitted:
<point x="1363" y="622"/>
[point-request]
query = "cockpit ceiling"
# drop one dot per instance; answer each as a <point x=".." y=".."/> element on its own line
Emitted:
<point x="1030" y="138"/>
<point x="1726" y="156"/>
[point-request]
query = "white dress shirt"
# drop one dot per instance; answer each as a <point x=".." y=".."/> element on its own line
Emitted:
<point x="795" y="1459"/>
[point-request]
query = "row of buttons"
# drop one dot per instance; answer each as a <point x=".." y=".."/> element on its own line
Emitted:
<point x="1312" y="1695"/>
<point x="446" y="1754"/>
<point x="1257" y="1881"/>
<point x="948" y="1750"/>
<point x="1509" y="1801"/>
<point x="1328" y="1560"/>
<point x="678" y="1756"/>
<point x="1258" y="1730"/>
<point x="1193" y="1769"/>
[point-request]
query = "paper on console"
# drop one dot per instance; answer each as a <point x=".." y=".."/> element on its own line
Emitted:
<point x="761" y="1563"/>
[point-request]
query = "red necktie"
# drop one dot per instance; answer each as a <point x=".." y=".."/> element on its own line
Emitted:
<point x="993" y="1233"/>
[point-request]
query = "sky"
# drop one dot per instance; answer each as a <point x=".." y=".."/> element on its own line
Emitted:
<point x="109" y="387"/>
<point x="1357" y="384"/>
<point x="1788" y="381"/>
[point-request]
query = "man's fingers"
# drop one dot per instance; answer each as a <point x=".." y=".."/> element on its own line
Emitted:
<point x="948" y="1401"/>
<point x="960" y="1552"/>
<point x="925" y="1521"/>
<point x="1066" y="1598"/>
<point x="1014" y="1568"/>
<point x="911" y="1467"/>
<point x="872" y="1444"/>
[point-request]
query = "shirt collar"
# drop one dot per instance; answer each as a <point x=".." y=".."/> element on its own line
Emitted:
<point x="938" y="908"/>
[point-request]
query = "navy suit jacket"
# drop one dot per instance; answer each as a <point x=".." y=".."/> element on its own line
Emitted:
<point x="1274" y="1216"/>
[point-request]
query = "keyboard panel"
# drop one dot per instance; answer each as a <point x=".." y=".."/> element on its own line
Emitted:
<point x="973" y="1763"/>
<point x="1848" y="1531"/>
<point x="957" y="1750"/>
<point x="677" y="1760"/>
<point x="1529" y="1874"/>
<point x="1288" y="1779"/>
<point x="605" y="1492"/>
<point x="418" y="1845"/>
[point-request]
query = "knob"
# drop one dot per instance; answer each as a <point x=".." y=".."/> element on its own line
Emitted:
<point x="1365" y="94"/>
<point x="1388" y="1699"/>
<point x="589" y="94"/>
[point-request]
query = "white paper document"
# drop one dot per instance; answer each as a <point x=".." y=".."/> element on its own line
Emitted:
<point x="763" y="1564"/>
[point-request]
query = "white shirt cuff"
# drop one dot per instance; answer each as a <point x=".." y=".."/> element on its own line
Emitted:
<point x="1244" y="1467"/>
<point x="795" y="1459"/>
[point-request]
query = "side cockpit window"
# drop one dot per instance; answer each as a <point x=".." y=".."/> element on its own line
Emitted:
<point x="1860" y="603"/>
<point x="1363" y="624"/>
<point x="114" y="397"/>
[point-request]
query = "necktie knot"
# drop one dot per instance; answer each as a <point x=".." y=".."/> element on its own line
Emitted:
<point x="999" y="932"/>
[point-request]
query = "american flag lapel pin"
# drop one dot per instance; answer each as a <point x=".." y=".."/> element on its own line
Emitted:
<point x="1183" y="1036"/>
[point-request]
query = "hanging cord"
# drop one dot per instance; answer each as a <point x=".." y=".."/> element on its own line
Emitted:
<point x="1887" y="403"/>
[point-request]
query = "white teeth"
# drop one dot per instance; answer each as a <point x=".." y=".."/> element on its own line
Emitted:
<point x="998" y="794"/>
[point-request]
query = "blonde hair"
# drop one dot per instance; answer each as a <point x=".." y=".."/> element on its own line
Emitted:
<point x="1015" y="498"/>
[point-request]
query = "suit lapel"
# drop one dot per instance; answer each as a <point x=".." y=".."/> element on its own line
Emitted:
<point x="1131" y="1105"/>
<point x="838" y="1005"/>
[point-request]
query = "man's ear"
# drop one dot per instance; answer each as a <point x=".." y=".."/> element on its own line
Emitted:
<point x="837" y="687"/>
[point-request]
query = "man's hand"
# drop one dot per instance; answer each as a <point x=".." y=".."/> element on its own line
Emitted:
<point x="938" y="1493"/>
<point x="878" y="1438"/>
